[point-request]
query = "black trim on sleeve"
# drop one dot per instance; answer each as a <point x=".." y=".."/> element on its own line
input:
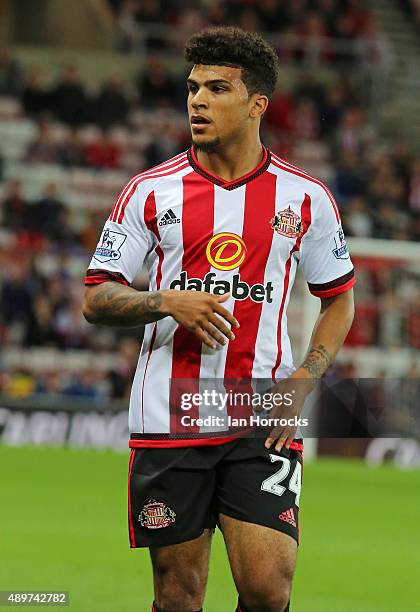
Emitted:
<point x="95" y="276"/>
<point x="337" y="282"/>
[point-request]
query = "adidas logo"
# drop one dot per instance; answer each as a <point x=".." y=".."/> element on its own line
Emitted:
<point x="169" y="218"/>
<point x="288" y="516"/>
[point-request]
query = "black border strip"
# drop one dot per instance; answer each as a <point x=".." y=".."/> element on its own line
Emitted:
<point x="337" y="282"/>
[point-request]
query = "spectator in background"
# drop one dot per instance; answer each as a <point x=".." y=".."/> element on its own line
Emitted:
<point x="356" y="219"/>
<point x="44" y="148"/>
<point x="128" y="34"/>
<point x="216" y="13"/>
<point x="111" y="105"/>
<point x="71" y="152"/>
<point x="14" y="207"/>
<point x="150" y="14"/>
<point x="125" y="365"/>
<point x="354" y="133"/>
<point x="50" y="383"/>
<point x="358" y="15"/>
<point x="271" y="14"/>
<point x="350" y="180"/>
<point x="40" y="329"/>
<point x="166" y="140"/>
<point x="16" y="294"/>
<point x="315" y="37"/>
<point x="69" y="99"/>
<point x="103" y="152"/>
<point x="64" y="236"/>
<point x="329" y="11"/>
<point x="279" y="113"/>
<point x="155" y="85"/>
<point x="390" y="223"/>
<point x="248" y="19"/>
<point x="414" y="187"/>
<point x="36" y="98"/>
<point x="48" y="212"/>
<point x="70" y="326"/>
<point x="84" y="385"/>
<point x="10" y="74"/>
<point x="332" y="108"/>
<point x="305" y="120"/>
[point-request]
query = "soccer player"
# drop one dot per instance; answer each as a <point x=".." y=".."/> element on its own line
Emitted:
<point x="222" y="228"/>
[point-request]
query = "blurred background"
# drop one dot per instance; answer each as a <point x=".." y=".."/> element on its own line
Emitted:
<point x="93" y="92"/>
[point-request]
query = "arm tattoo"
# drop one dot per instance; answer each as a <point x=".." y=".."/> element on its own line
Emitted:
<point x="317" y="361"/>
<point x="115" y="304"/>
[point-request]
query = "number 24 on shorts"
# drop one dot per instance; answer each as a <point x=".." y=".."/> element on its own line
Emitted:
<point x="272" y="484"/>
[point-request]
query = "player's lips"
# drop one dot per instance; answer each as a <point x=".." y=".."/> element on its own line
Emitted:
<point x="199" y="121"/>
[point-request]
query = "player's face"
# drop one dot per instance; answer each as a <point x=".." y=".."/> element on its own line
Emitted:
<point x="219" y="107"/>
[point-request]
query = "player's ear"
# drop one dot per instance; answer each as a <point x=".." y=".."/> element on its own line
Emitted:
<point x="259" y="106"/>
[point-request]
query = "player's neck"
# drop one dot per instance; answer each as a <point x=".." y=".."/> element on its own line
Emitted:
<point x="234" y="160"/>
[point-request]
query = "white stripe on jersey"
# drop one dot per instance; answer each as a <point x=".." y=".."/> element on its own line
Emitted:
<point x="155" y="386"/>
<point x="229" y="210"/>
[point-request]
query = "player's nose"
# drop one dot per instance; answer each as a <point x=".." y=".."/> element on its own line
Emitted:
<point x="199" y="99"/>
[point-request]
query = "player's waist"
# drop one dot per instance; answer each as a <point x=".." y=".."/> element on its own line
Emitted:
<point x="139" y="440"/>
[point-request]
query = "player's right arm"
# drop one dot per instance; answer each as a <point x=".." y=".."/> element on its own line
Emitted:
<point x="111" y="303"/>
<point x="126" y="240"/>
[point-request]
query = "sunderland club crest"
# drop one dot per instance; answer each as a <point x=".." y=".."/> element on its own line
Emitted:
<point x="156" y="515"/>
<point x="287" y="223"/>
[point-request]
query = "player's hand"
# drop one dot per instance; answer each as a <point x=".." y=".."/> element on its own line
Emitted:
<point x="202" y="314"/>
<point x="297" y="387"/>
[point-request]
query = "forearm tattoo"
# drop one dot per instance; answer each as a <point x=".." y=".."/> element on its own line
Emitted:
<point x="114" y="304"/>
<point x="317" y="361"/>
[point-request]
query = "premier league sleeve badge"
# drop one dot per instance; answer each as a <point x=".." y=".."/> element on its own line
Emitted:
<point x="109" y="246"/>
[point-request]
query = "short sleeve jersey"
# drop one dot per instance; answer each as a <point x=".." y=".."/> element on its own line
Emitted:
<point x="198" y="232"/>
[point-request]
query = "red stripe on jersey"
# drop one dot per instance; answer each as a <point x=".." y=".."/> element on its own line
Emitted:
<point x="335" y="290"/>
<point x="258" y="236"/>
<point x="166" y="165"/>
<point x="118" y="211"/>
<point x="280" y="163"/>
<point x="305" y="214"/>
<point x="197" y="229"/>
<point x="150" y="219"/>
<point x="130" y="517"/>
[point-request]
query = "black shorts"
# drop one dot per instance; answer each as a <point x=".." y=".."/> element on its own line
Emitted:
<point x="176" y="493"/>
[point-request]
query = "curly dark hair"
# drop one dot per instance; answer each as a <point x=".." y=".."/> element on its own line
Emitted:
<point x="231" y="46"/>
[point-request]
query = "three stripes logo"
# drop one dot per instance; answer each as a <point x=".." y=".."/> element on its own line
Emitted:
<point x="169" y="218"/>
<point x="288" y="516"/>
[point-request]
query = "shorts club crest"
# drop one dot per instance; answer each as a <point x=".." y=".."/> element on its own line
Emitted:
<point x="156" y="515"/>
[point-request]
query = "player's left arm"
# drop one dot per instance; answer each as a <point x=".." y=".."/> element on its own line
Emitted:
<point x="330" y="331"/>
<point x="328" y="336"/>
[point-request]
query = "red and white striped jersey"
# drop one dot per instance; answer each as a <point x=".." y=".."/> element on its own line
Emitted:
<point x="197" y="231"/>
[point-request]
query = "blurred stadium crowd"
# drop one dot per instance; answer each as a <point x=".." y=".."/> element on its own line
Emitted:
<point x="303" y="30"/>
<point x="66" y="150"/>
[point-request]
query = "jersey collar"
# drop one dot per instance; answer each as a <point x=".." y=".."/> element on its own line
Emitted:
<point x="217" y="180"/>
